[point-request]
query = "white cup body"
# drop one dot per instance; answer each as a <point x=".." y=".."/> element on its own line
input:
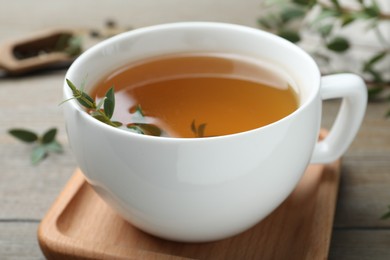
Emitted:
<point x="195" y="189"/>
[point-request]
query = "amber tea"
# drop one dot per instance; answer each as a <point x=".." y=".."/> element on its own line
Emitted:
<point x="200" y="94"/>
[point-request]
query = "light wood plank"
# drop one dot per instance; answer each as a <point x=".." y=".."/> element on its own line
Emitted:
<point x="360" y="244"/>
<point x="364" y="193"/>
<point x="18" y="241"/>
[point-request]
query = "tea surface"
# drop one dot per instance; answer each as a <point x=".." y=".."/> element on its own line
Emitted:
<point x="221" y="93"/>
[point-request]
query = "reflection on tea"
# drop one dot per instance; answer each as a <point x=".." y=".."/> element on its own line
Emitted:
<point x="200" y="94"/>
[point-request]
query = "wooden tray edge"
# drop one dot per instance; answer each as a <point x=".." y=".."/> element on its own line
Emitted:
<point x="48" y="236"/>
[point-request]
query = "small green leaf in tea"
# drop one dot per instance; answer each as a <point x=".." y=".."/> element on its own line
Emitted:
<point x="146" y="129"/>
<point x="104" y="115"/>
<point x="109" y="103"/>
<point x="83" y="98"/>
<point x="137" y="114"/>
<point x="198" y="130"/>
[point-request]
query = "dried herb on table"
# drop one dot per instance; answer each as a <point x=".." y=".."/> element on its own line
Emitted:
<point x="67" y="43"/>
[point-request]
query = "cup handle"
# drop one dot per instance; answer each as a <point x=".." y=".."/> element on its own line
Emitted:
<point x="353" y="91"/>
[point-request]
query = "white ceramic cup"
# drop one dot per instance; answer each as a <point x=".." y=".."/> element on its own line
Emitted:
<point x="203" y="189"/>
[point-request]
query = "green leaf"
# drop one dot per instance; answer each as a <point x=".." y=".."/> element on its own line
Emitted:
<point x="24" y="135"/>
<point x="116" y="123"/>
<point x="139" y="110"/>
<point x="100" y="104"/>
<point x="138" y="115"/>
<point x="338" y="44"/>
<point x="336" y="4"/>
<point x="86" y="101"/>
<point x="360" y="15"/>
<point x="292" y="13"/>
<point x="109" y="103"/>
<point x="135" y="129"/>
<point x="201" y="129"/>
<point x="198" y="130"/>
<point x="49" y="136"/>
<point x="325" y="30"/>
<point x="375" y="59"/>
<point x="66" y="100"/>
<point x="147" y="129"/>
<point x="151" y="129"/>
<point x="72" y="86"/>
<point x="325" y="14"/>
<point x="376" y="76"/>
<point x="101" y="117"/>
<point x="264" y="23"/>
<point x="347" y="19"/>
<point x="38" y="153"/>
<point x="292" y="36"/>
<point x="83" y="98"/>
<point x="193" y="127"/>
<point x="373" y="10"/>
<point x="54" y="146"/>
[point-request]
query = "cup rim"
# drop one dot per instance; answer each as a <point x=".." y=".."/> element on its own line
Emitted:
<point x="149" y="29"/>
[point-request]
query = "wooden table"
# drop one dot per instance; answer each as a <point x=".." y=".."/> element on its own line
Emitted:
<point x="26" y="191"/>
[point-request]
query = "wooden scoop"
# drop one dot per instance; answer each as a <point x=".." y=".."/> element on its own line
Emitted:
<point x="40" y="50"/>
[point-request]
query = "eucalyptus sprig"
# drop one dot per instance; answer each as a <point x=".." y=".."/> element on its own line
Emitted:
<point x="139" y="124"/>
<point x="104" y="110"/>
<point x="95" y="110"/>
<point x="43" y="145"/>
<point x="297" y="20"/>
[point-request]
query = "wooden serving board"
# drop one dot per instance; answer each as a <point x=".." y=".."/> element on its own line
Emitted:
<point x="80" y="225"/>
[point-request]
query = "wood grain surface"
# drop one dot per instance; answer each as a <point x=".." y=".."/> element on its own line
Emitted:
<point x="27" y="192"/>
<point x="80" y="225"/>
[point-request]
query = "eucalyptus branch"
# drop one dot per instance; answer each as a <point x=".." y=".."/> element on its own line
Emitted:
<point x="374" y="10"/>
<point x="104" y="110"/>
<point x="332" y="14"/>
<point x="291" y="18"/>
